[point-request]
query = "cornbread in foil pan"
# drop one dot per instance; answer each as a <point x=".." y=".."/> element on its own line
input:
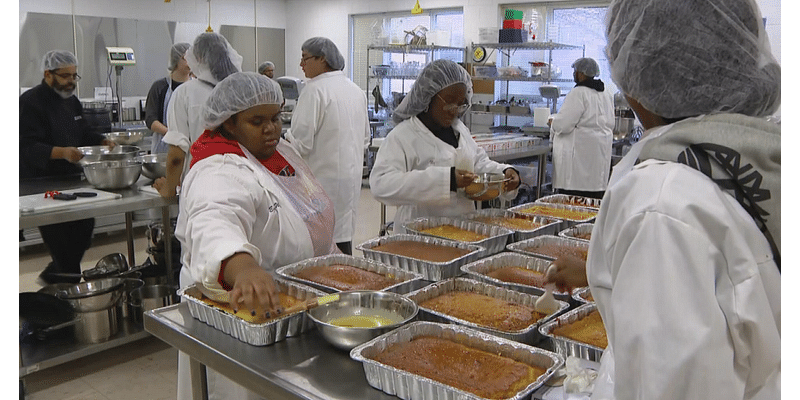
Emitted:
<point x="582" y="295"/>
<point x="503" y="265"/>
<point x="522" y="226"/>
<point x="577" y="201"/>
<point x="569" y="215"/>
<point x="427" y="252"/>
<point x="578" y="232"/>
<point x="520" y="302"/>
<point x="569" y="347"/>
<point x="256" y="334"/>
<point x="551" y="247"/>
<point x="492" y="238"/>
<point x="397" y="280"/>
<point x="408" y="385"/>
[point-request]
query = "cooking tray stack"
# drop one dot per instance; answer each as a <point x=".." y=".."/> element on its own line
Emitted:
<point x="548" y="226"/>
<point x="496" y="236"/>
<point x="558" y="211"/>
<point x="576" y="201"/>
<point x="431" y="271"/>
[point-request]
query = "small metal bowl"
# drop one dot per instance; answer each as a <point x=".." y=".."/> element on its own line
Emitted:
<point x="106" y="153"/>
<point x="154" y="166"/>
<point x="361" y="303"/>
<point x="125" y="137"/>
<point x="112" y="174"/>
<point x="486" y="186"/>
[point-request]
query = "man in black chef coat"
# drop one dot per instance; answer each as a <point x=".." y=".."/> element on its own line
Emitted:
<point x="51" y="128"/>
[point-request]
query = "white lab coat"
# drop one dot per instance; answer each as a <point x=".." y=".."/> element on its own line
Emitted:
<point x="582" y="135"/>
<point x="184" y="117"/>
<point x="330" y="129"/>
<point x="412" y="172"/>
<point x="686" y="286"/>
<point x="226" y="207"/>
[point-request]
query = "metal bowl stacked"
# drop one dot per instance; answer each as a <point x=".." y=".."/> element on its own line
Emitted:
<point x="125" y="137"/>
<point x="154" y="166"/>
<point x="112" y="174"/>
<point x="106" y="153"/>
<point x="385" y="309"/>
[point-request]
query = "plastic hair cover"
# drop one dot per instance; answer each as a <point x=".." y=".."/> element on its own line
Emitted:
<point x="320" y="46"/>
<point x="212" y="58"/>
<point x="56" y="59"/>
<point x="436" y="76"/>
<point x="175" y="53"/>
<point x="238" y="92"/>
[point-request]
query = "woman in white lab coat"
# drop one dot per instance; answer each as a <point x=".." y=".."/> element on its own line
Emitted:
<point x="582" y="134"/>
<point x="684" y="259"/>
<point x="428" y="158"/>
<point x="250" y="204"/>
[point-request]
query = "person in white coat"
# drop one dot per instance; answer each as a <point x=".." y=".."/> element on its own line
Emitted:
<point x="684" y="259"/>
<point x="330" y="129"/>
<point x="582" y="134"/>
<point x="210" y="58"/>
<point x="430" y="156"/>
<point x="250" y="204"/>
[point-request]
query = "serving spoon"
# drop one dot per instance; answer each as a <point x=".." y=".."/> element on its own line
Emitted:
<point x="547" y="303"/>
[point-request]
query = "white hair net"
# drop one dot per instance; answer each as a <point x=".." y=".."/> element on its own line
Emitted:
<point x="263" y="67"/>
<point x="320" y="46"/>
<point x="55" y="59"/>
<point x="238" y="92"/>
<point x="681" y="58"/>
<point x="436" y="76"/>
<point x="587" y="66"/>
<point x="212" y="58"/>
<point x="175" y="53"/>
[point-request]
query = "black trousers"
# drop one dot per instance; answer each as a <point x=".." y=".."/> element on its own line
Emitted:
<point x="346" y="247"/>
<point x="67" y="242"/>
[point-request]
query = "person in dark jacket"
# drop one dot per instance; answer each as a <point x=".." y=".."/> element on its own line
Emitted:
<point x="51" y="128"/>
<point x="160" y="93"/>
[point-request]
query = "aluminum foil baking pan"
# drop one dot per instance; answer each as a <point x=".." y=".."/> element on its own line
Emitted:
<point x="480" y="269"/>
<point x="581" y="295"/>
<point x="496" y="240"/>
<point x="549" y="226"/>
<point x="407" y="280"/>
<point x="529" y="335"/>
<point x="580" y="229"/>
<point x="568" y="347"/>
<point x="263" y="334"/>
<point x="431" y="271"/>
<point x="567" y="222"/>
<point x="577" y="201"/>
<point x="521" y="247"/>
<point x="406" y="385"/>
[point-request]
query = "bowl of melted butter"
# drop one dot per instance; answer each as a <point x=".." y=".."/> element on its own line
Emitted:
<point x="362" y="315"/>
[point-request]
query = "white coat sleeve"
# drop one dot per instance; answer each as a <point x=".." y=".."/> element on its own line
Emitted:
<point x="667" y="329"/>
<point x="220" y="208"/>
<point x="178" y="121"/>
<point x="306" y="119"/>
<point x="391" y="182"/>
<point x="568" y="116"/>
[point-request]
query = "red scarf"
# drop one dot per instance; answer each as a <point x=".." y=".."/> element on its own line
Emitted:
<point x="209" y="144"/>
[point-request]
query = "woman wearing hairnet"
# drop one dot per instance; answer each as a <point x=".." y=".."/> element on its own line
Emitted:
<point x="582" y="134"/>
<point x="249" y="204"/>
<point x="430" y="154"/>
<point x="684" y="261"/>
<point x="160" y="93"/>
<point x="210" y="58"/>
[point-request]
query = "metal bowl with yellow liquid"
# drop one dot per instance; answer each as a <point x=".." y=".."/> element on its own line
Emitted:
<point x="361" y="315"/>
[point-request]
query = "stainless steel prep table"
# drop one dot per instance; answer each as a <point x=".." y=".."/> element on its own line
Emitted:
<point x="302" y="367"/>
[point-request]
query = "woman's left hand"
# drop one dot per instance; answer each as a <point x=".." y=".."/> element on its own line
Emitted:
<point x="513" y="183"/>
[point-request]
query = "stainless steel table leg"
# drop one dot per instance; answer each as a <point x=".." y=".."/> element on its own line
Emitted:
<point x="129" y="231"/>
<point x="199" y="380"/>
<point x="167" y="224"/>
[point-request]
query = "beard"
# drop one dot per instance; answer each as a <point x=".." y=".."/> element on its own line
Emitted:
<point x="65" y="91"/>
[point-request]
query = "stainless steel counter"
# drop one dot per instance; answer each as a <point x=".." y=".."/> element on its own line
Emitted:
<point x="303" y="367"/>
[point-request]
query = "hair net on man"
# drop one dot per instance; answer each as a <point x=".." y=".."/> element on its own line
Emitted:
<point x="320" y="46"/>
<point x="175" y="53"/>
<point x="263" y="67"/>
<point x="681" y="58"/>
<point x="436" y="76"/>
<point x="212" y="58"/>
<point x="55" y="59"/>
<point x="587" y="66"/>
<point x="238" y="92"/>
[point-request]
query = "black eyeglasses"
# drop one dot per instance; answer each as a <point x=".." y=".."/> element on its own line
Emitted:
<point x="65" y="75"/>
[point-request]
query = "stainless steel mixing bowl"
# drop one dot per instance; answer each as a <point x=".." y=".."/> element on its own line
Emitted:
<point x="154" y="166"/>
<point x="112" y="174"/>
<point x="125" y="137"/>
<point x="369" y="304"/>
<point x="106" y="153"/>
